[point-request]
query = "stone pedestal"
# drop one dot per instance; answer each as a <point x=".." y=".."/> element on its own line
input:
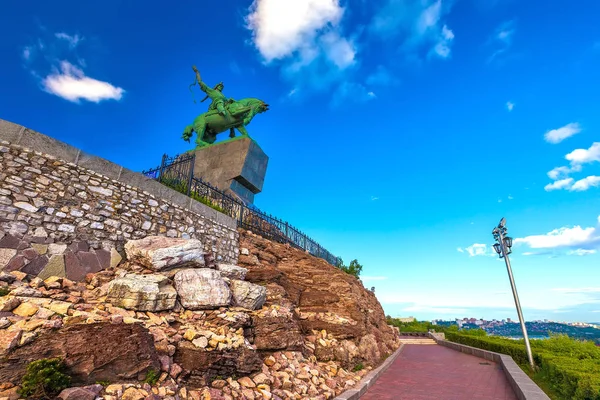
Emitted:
<point x="237" y="165"/>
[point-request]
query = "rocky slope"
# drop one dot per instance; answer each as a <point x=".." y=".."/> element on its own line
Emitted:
<point x="310" y="294"/>
<point x="281" y="325"/>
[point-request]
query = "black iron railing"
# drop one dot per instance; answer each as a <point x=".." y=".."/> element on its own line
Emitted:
<point x="178" y="173"/>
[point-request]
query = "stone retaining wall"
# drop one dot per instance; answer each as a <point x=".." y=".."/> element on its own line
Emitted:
<point x="53" y="195"/>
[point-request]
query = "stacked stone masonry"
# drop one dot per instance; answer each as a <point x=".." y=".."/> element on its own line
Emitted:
<point x="60" y="215"/>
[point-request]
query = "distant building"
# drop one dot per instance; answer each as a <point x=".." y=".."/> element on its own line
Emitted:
<point x="409" y="319"/>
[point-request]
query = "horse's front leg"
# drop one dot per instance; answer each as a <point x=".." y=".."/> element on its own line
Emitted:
<point x="200" y="131"/>
<point x="242" y="130"/>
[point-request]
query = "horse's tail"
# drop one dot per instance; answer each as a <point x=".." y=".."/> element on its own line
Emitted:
<point x="188" y="132"/>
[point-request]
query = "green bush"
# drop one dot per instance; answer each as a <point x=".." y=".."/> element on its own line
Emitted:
<point x="44" y="379"/>
<point x="4" y="291"/>
<point x="569" y="367"/>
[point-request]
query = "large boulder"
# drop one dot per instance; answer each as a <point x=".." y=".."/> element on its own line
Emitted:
<point x="142" y="293"/>
<point x="248" y="295"/>
<point x="232" y="271"/>
<point x="202" y="289"/>
<point x="159" y="252"/>
<point x="92" y="353"/>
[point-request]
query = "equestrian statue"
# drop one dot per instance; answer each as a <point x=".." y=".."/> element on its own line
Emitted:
<point x="223" y="114"/>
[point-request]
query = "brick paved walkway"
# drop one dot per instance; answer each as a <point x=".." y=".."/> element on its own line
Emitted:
<point x="436" y="372"/>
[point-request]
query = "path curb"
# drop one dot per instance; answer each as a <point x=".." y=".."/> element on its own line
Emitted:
<point x="523" y="386"/>
<point x="369" y="380"/>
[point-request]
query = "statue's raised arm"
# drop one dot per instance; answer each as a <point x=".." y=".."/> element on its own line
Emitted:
<point x="199" y="80"/>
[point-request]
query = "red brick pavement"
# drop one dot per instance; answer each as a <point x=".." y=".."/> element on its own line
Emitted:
<point x="427" y="372"/>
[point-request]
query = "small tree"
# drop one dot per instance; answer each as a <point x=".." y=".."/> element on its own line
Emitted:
<point x="44" y="379"/>
<point x="353" y="269"/>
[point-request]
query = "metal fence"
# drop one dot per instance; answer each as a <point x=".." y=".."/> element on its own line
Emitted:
<point x="178" y="173"/>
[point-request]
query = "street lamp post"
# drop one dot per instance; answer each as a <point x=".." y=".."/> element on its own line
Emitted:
<point x="503" y="247"/>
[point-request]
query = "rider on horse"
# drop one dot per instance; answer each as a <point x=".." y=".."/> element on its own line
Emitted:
<point x="216" y="95"/>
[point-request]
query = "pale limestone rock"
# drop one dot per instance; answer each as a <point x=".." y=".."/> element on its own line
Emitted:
<point x="232" y="271"/>
<point x="56" y="248"/>
<point x="248" y="295"/>
<point x="40" y="248"/>
<point x="9" y="339"/>
<point x="142" y="293"/>
<point x="160" y="253"/>
<point x="25" y="309"/>
<point x="201" y="342"/>
<point x="5" y="256"/>
<point x="200" y="289"/>
<point x="115" y="258"/>
<point x="54" y="267"/>
<point x="8" y="303"/>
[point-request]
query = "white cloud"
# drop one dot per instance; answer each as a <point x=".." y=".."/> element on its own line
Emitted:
<point x="510" y="105"/>
<point x="281" y="29"/>
<point x="502" y="39"/>
<point x="585" y="183"/>
<point x="27" y="53"/>
<point x="560" y="184"/>
<point x="478" y="249"/>
<point x="585" y="156"/>
<point x="563" y="172"/>
<point x="419" y="24"/>
<point x="442" y="48"/>
<point x="581" y="252"/>
<point x="558" y="135"/>
<point x="575" y="238"/>
<point x="71" y="84"/>
<point x="73" y="41"/>
<point x="510" y="197"/>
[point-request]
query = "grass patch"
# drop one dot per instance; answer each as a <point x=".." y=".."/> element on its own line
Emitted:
<point x="181" y="187"/>
<point x="4" y="292"/>
<point x="358" y="367"/>
<point x="152" y="377"/>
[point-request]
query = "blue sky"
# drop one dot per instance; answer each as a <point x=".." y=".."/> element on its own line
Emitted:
<point x="400" y="131"/>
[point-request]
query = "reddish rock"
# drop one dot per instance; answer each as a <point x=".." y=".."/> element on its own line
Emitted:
<point x="203" y="366"/>
<point x="76" y="393"/>
<point x="103" y="258"/>
<point x="277" y="333"/>
<point x="94" y="352"/>
<point x="89" y="262"/>
<point x="16" y="263"/>
<point x="313" y="287"/>
<point x="35" y="266"/>
<point x="73" y="268"/>
<point x="10" y="242"/>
